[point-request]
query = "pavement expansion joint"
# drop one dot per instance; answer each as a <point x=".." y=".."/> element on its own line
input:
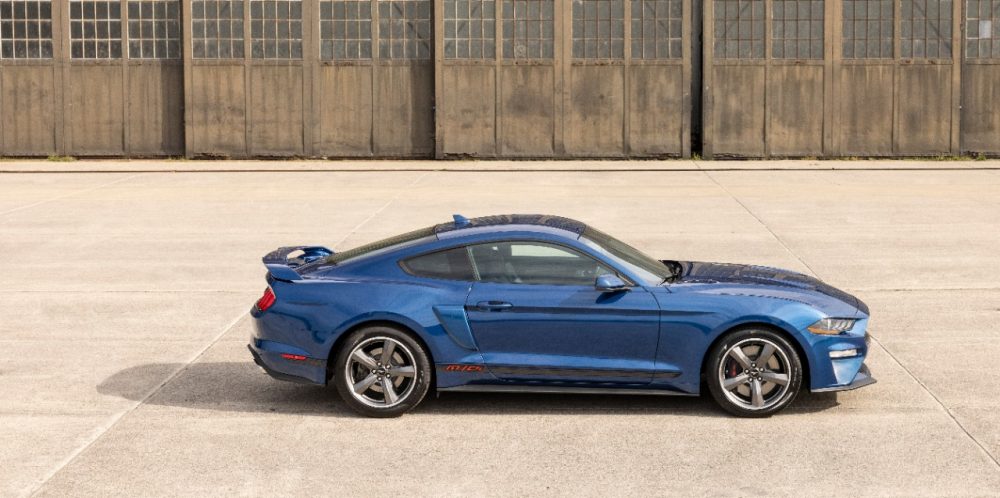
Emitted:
<point x="115" y="419"/>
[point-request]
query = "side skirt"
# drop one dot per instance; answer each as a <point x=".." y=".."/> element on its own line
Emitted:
<point x="493" y="388"/>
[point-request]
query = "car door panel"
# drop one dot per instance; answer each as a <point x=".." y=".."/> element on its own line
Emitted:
<point x="563" y="333"/>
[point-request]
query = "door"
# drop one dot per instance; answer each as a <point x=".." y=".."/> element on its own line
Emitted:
<point x="536" y="316"/>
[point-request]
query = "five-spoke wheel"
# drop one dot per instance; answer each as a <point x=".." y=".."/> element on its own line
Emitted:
<point x="754" y="372"/>
<point x="382" y="371"/>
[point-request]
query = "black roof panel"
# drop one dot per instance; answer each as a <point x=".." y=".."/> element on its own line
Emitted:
<point x="515" y="219"/>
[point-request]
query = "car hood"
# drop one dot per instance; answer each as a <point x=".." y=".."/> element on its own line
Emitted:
<point x="759" y="276"/>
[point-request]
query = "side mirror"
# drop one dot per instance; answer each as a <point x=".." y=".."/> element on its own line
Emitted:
<point x="610" y="283"/>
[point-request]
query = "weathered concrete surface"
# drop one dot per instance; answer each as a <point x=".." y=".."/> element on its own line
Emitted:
<point x="201" y="165"/>
<point x="126" y="373"/>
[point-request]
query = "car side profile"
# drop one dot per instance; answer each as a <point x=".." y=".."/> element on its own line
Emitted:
<point x="537" y="303"/>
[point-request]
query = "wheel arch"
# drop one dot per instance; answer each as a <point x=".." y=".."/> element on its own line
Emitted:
<point x="788" y="335"/>
<point x="378" y="322"/>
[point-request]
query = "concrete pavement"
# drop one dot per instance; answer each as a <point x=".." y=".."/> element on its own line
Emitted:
<point x="125" y="370"/>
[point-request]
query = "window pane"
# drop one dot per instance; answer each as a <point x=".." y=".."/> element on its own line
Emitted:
<point x="598" y="29"/>
<point x="452" y="264"/>
<point x="154" y="29"/>
<point x="405" y="29"/>
<point x="25" y="29"/>
<point x="528" y="29"/>
<point x="281" y="21"/>
<point x="345" y="29"/>
<point x="982" y="29"/>
<point x="535" y="263"/>
<point x="797" y="29"/>
<point x="218" y="29"/>
<point x="739" y="29"/>
<point x="868" y="29"/>
<point x="100" y="28"/>
<point x="656" y="29"/>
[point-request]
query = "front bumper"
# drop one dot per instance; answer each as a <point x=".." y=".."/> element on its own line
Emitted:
<point x="862" y="379"/>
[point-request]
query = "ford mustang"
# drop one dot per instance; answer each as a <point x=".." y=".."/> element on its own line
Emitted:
<point x="535" y="303"/>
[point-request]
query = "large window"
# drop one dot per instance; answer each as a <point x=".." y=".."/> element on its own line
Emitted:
<point x="345" y="28"/>
<point x="656" y="29"/>
<point x="528" y="29"/>
<point x="982" y="29"/>
<point x="25" y="29"/>
<point x="739" y="29"/>
<point x="534" y="263"/>
<point x="404" y="29"/>
<point x="95" y="29"/>
<point x="925" y="29"/>
<point x="469" y="29"/>
<point x="797" y="29"/>
<point x="217" y="27"/>
<point x="276" y="29"/>
<point x="868" y="29"/>
<point x="598" y="29"/>
<point x="154" y="29"/>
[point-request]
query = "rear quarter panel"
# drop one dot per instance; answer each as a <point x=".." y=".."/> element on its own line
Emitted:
<point x="314" y="314"/>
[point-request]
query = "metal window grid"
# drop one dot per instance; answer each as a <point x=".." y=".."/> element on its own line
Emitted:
<point x="404" y="29"/>
<point x="276" y="29"/>
<point x="739" y="29"/>
<point x="345" y="28"/>
<point x="797" y="29"/>
<point x="656" y="29"/>
<point x="925" y="29"/>
<point x="982" y="29"/>
<point x="868" y="29"/>
<point x="95" y="29"/>
<point x="528" y="29"/>
<point x="154" y="29"/>
<point x="469" y="29"/>
<point x="598" y="29"/>
<point x="217" y="29"/>
<point x="25" y="29"/>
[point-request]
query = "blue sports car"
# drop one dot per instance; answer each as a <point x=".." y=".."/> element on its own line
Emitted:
<point x="534" y="303"/>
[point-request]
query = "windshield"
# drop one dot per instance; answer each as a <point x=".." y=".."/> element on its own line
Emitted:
<point x="654" y="271"/>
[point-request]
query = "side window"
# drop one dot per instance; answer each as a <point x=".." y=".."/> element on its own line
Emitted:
<point x="535" y="263"/>
<point x="452" y="264"/>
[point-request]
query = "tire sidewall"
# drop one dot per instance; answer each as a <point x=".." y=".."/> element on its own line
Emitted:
<point x="422" y="364"/>
<point x="717" y="355"/>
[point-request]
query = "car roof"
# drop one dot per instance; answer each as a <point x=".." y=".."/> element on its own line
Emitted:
<point x="527" y="220"/>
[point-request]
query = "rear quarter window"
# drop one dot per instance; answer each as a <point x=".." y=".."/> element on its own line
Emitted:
<point x="450" y="264"/>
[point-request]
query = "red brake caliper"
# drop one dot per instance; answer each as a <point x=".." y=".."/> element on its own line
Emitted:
<point x="732" y="370"/>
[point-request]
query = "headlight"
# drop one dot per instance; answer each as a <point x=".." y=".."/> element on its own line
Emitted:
<point x="832" y="326"/>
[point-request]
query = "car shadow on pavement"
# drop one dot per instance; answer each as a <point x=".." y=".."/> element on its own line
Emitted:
<point x="242" y="387"/>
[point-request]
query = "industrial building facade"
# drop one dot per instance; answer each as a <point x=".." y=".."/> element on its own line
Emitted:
<point x="499" y="78"/>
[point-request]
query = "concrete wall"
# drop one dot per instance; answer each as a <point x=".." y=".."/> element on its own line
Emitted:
<point x="558" y="104"/>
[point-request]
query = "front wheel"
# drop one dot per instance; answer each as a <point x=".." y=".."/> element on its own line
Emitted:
<point x="382" y="372"/>
<point x="754" y="373"/>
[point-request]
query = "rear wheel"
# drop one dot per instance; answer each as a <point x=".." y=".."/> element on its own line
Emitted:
<point x="754" y="373"/>
<point x="382" y="372"/>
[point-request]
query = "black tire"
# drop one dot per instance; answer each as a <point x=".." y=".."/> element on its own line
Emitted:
<point x="375" y="401"/>
<point x="724" y="365"/>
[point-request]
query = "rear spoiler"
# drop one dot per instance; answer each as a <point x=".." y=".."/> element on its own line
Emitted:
<point x="281" y="262"/>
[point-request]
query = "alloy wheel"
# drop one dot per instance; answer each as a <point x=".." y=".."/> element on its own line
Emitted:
<point x="754" y="374"/>
<point x="380" y="372"/>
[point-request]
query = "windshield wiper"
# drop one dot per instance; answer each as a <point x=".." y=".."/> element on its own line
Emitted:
<point x="675" y="271"/>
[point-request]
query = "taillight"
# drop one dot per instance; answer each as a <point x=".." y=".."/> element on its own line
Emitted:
<point x="266" y="300"/>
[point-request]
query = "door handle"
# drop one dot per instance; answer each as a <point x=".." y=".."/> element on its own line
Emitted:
<point x="493" y="305"/>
